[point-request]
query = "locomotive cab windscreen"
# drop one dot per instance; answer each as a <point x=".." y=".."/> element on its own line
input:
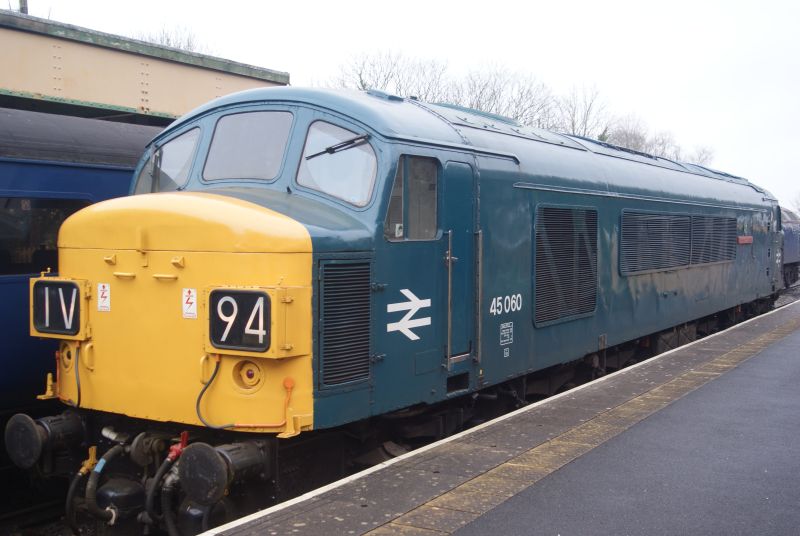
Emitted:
<point x="252" y="146"/>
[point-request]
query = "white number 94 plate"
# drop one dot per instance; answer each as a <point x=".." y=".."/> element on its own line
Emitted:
<point x="239" y="319"/>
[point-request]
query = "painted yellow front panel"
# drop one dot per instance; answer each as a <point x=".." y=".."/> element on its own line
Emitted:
<point x="145" y="356"/>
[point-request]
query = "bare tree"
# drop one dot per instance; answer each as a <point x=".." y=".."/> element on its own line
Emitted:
<point x="499" y="91"/>
<point x="663" y="144"/>
<point x="494" y="89"/>
<point x="524" y="98"/>
<point x="482" y="90"/>
<point x="530" y="101"/>
<point x="583" y="113"/>
<point x="178" y="37"/>
<point x="394" y="73"/>
<point x="630" y="132"/>
<point x="702" y="155"/>
<point x="366" y="71"/>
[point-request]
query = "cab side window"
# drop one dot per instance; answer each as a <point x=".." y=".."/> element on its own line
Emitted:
<point x="412" y="208"/>
<point x="168" y="168"/>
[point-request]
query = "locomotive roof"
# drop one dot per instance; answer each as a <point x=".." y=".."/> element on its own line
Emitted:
<point x="448" y="125"/>
<point x="57" y="138"/>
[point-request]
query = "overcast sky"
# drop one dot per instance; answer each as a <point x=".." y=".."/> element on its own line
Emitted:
<point x="720" y="73"/>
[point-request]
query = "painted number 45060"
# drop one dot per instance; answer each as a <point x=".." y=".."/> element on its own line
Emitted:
<point x="505" y="304"/>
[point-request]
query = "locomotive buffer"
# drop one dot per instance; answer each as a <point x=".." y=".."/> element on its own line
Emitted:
<point x="692" y="441"/>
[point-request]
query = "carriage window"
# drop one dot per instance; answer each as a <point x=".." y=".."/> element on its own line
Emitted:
<point x="412" y="207"/>
<point x="248" y="146"/>
<point x="168" y="167"/>
<point x="29" y="231"/>
<point x="338" y="162"/>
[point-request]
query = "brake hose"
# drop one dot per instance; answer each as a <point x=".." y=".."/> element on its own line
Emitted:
<point x="109" y="514"/>
<point x="69" y="516"/>
<point x="200" y="399"/>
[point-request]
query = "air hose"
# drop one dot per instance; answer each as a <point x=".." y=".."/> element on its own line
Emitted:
<point x="200" y="399"/>
<point x="69" y="510"/>
<point x="108" y="515"/>
<point x="167" y="491"/>
<point x="150" y="501"/>
<point x="69" y="516"/>
<point x="175" y="452"/>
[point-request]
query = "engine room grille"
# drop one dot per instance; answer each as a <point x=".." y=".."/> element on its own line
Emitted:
<point x="713" y="239"/>
<point x="344" y="322"/>
<point x="565" y="263"/>
<point x="654" y="241"/>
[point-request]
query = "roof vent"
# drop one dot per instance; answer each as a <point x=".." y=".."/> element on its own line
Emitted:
<point x="385" y="96"/>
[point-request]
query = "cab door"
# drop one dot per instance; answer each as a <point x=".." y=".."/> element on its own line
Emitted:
<point x="458" y="226"/>
<point x="427" y="293"/>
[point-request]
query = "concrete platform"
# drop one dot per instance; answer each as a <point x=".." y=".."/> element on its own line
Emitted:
<point x="702" y="439"/>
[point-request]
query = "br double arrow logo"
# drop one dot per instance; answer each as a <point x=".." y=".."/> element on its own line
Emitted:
<point x="408" y="322"/>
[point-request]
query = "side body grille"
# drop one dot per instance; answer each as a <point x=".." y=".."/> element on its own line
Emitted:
<point x="660" y="242"/>
<point x="654" y="241"/>
<point x="713" y="239"/>
<point x="565" y="263"/>
<point x="344" y="322"/>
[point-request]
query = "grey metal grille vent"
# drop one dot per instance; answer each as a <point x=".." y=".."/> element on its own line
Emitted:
<point x="713" y="239"/>
<point x="565" y="263"/>
<point x="345" y="322"/>
<point x="668" y="241"/>
<point x="654" y="241"/>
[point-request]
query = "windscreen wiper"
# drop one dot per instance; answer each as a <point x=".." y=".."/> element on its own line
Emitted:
<point x="346" y="144"/>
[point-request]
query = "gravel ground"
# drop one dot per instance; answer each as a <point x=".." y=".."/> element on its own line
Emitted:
<point x="790" y="295"/>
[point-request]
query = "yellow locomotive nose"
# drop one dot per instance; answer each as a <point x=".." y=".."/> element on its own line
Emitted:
<point x="184" y="221"/>
<point x="147" y="269"/>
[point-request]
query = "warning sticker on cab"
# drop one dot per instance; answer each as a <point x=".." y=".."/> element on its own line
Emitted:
<point x="103" y="297"/>
<point x="189" y="303"/>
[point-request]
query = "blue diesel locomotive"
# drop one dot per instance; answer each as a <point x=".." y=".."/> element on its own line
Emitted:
<point x="354" y="267"/>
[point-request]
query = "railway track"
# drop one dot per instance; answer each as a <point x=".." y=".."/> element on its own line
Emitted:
<point x="790" y="295"/>
<point x="39" y="519"/>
